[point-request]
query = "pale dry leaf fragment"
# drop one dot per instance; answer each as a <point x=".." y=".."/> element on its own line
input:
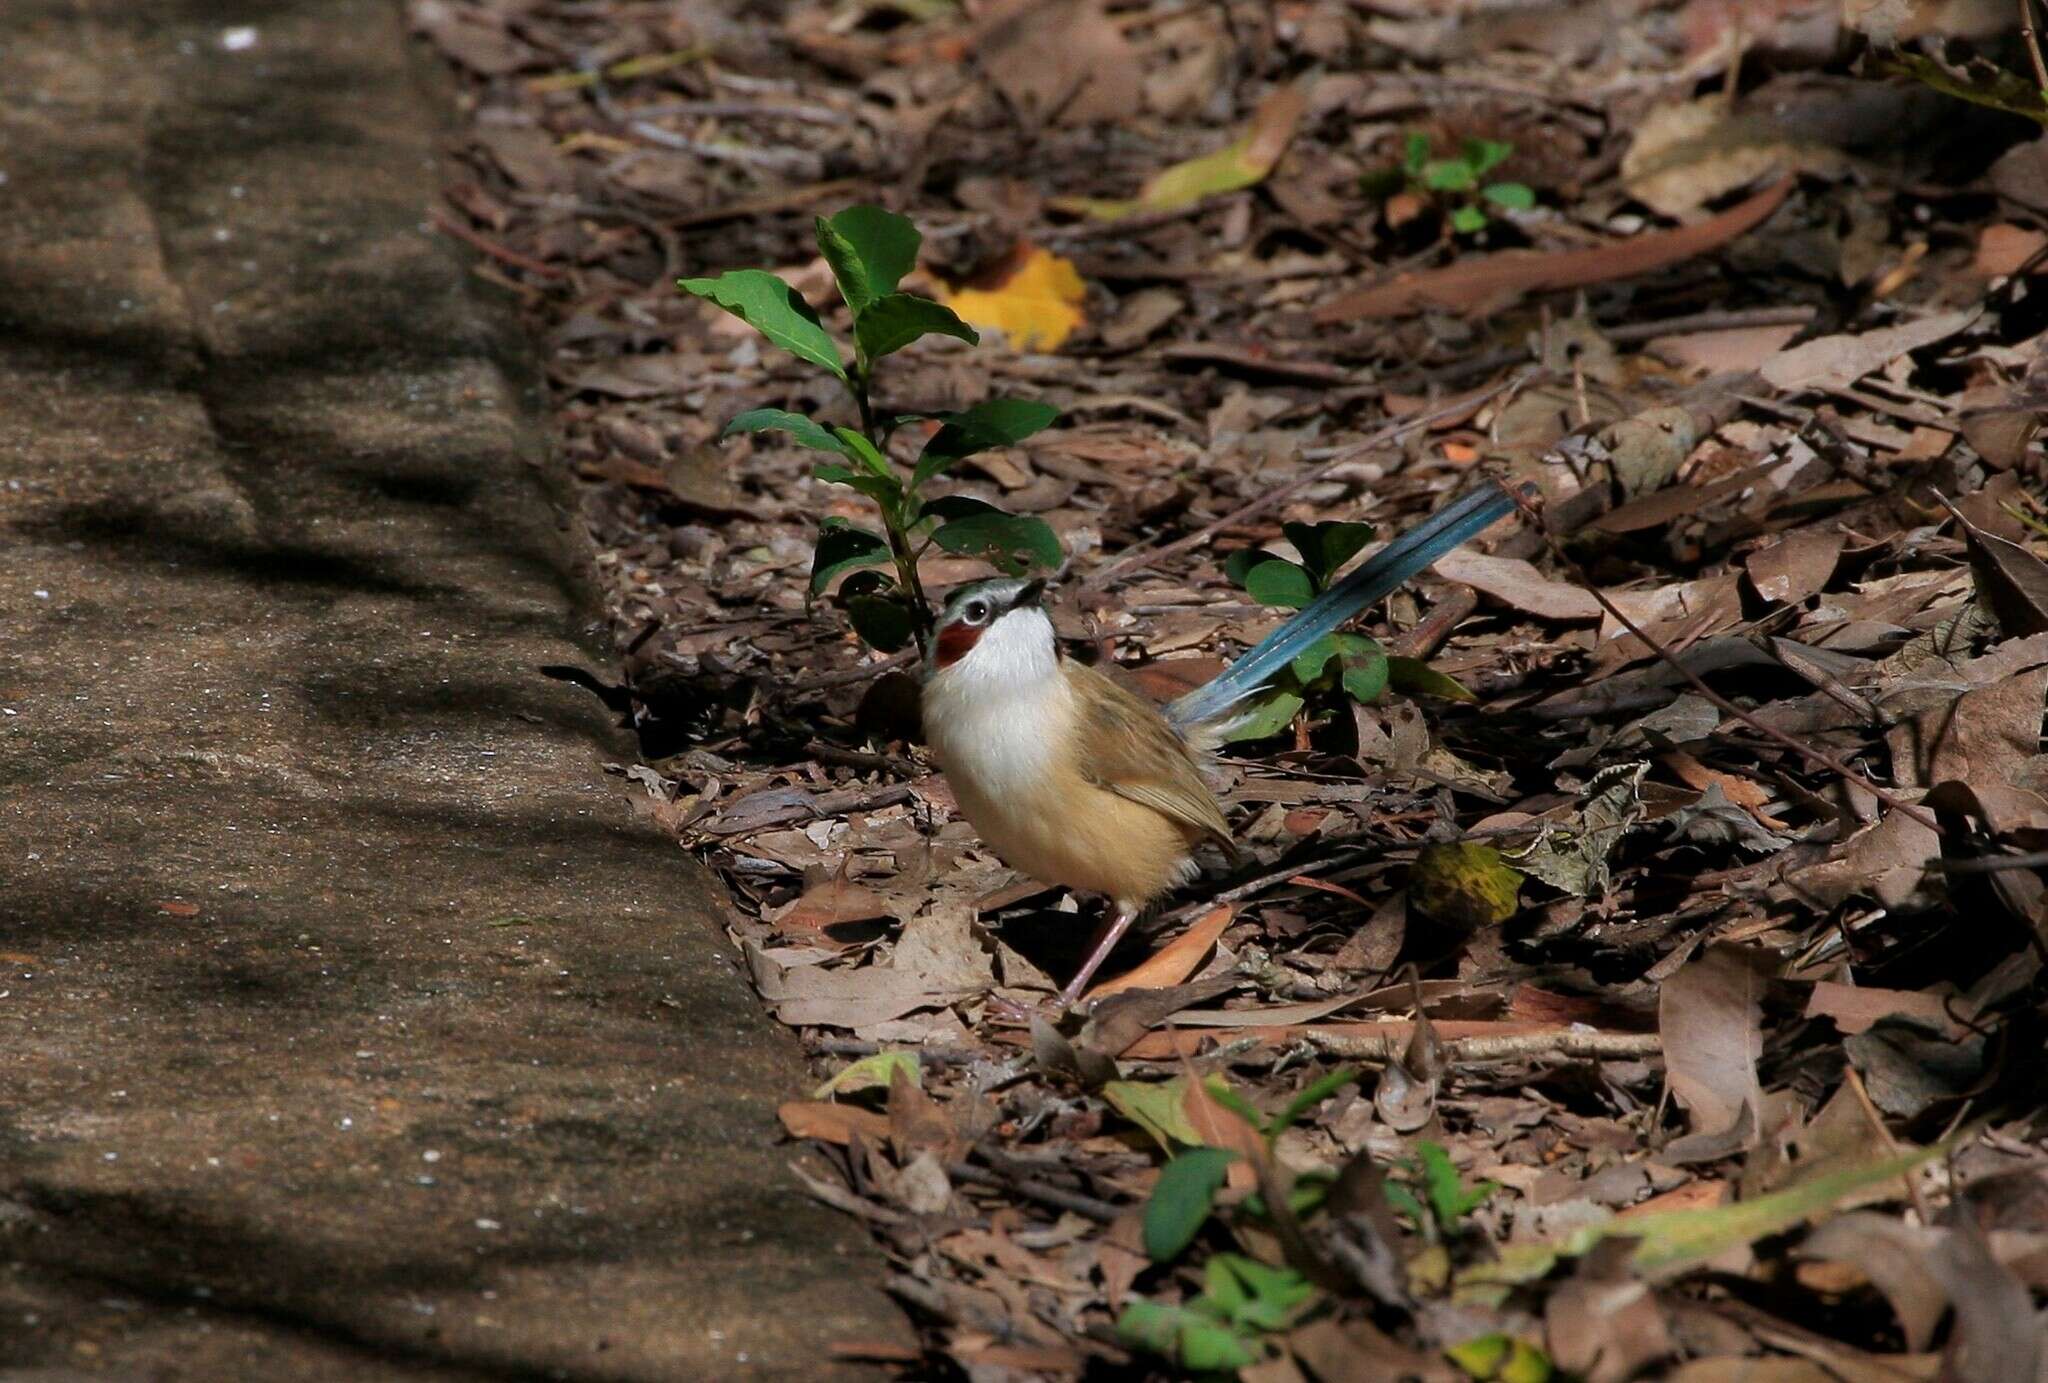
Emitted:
<point x="1737" y="350"/>
<point x="1888" y="861"/>
<point x="1517" y="584"/>
<point x="813" y="996"/>
<point x="1854" y="1008"/>
<point x="941" y="950"/>
<point x="1836" y="362"/>
<point x="1893" y="1255"/>
<point x="1999" y="1336"/>
<point x="1711" y="1019"/>
<point x="1798" y="565"/>
<point x="1689" y="153"/>
<point x="1061" y="61"/>
<point x="1572" y="854"/>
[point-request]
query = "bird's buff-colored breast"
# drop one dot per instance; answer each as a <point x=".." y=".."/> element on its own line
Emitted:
<point x="1007" y="751"/>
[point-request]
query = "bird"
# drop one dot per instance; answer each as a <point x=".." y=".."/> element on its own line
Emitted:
<point x="1072" y="778"/>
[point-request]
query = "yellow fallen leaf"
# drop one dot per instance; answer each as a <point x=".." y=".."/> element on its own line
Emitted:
<point x="1033" y="297"/>
<point x="1241" y="163"/>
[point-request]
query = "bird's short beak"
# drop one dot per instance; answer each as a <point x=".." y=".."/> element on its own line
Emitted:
<point x="1028" y="594"/>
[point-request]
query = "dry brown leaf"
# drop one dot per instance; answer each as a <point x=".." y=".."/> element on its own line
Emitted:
<point x="1174" y="961"/>
<point x="1746" y="793"/>
<point x="830" y="1122"/>
<point x="1836" y="362"/>
<point x="1710" y="1017"/>
<point x="1473" y="284"/>
<point x="1855" y="1009"/>
<point x="1517" y="584"/>
<point x="1798" y="565"/>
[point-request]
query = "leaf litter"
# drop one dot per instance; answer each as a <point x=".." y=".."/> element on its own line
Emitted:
<point x="1664" y="1008"/>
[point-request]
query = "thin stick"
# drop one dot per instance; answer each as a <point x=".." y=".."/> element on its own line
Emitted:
<point x="1727" y="707"/>
<point x="1596" y="1046"/>
<point x="2028" y="33"/>
<point x="1390" y="433"/>
<point x="1031" y="1188"/>
<point x="1891" y="1144"/>
<point x="448" y="225"/>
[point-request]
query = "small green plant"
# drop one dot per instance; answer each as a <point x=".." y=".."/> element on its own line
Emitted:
<point x="1242" y="1300"/>
<point x="869" y="251"/>
<point x="1455" y="182"/>
<point x="1439" y="1212"/>
<point x="1336" y="665"/>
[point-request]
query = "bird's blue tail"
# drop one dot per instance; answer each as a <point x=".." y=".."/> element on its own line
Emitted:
<point x="1373" y="580"/>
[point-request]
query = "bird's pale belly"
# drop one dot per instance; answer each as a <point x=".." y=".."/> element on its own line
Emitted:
<point x="1065" y="830"/>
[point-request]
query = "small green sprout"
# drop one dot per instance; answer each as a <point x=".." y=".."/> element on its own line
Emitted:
<point x="869" y="251"/>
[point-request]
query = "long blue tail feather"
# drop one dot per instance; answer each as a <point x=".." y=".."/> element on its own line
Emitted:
<point x="1373" y="580"/>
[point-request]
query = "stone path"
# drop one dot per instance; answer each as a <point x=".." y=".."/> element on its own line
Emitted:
<point x="352" y="1027"/>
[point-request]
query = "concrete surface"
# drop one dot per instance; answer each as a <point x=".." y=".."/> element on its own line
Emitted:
<point x="353" y="1028"/>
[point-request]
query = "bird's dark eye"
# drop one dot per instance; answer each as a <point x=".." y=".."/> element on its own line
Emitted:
<point x="975" y="611"/>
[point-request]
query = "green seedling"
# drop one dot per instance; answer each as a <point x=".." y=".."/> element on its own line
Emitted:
<point x="1455" y="183"/>
<point x="1223" y="1329"/>
<point x="1337" y="666"/>
<point x="1444" y="1201"/>
<point x="869" y="251"/>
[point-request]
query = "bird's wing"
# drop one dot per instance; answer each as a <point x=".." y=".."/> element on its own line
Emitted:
<point x="1128" y="748"/>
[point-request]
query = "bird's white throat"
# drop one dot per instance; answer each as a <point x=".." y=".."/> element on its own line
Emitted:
<point x="997" y="714"/>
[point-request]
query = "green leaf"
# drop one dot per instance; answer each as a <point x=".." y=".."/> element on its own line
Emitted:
<point x="1268" y="716"/>
<point x="1984" y="86"/>
<point x="1413" y="677"/>
<point x="1449" y="175"/>
<point x="1382" y="183"/>
<point x="864" y="451"/>
<point x="957" y="507"/>
<point x="1513" y="196"/>
<point x="1238" y="565"/>
<point x="884" y="622"/>
<point x="1181" y="1200"/>
<point x="1313" y="1094"/>
<point x="771" y="307"/>
<point x="892" y="322"/>
<point x="1158" y="1107"/>
<point x="1468" y="220"/>
<point x="1015" y="543"/>
<point x="1310" y="662"/>
<point x="1365" y="679"/>
<point x="1417" y="154"/>
<point x="992" y="423"/>
<point x="1277" y="581"/>
<point x="1449" y="1197"/>
<point x="1325" y="547"/>
<point x="1257" y="1296"/>
<point x="870" y="1073"/>
<point x="1190" y="1339"/>
<point x="1465" y="884"/>
<point x="802" y="430"/>
<point x="870" y="250"/>
<point x="1502" y="1359"/>
<point x="841" y="548"/>
<point x="1485" y="155"/>
<point x="884" y="490"/>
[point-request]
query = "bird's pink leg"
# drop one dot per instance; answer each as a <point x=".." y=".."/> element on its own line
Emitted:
<point x="1115" y="933"/>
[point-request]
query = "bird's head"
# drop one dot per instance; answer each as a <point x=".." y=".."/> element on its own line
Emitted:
<point x="997" y="630"/>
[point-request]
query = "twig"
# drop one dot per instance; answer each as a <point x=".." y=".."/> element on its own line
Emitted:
<point x="1992" y="864"/>
<point x="1597" y="1046"/>
<point x="1391" y="432"/>
<point x="448" y="225"/>
<point x="1031" y="1188"/>
<point x="1428" y="636"/>
<point x="901" y="658"/>
<point x="1891" y="1144"/>
<point x="1727" y="707"/>
<point x="2028" y="32"/>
